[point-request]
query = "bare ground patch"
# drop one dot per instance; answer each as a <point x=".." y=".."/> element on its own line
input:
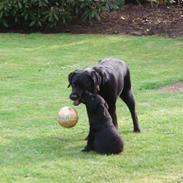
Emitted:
<point x="134" y="20"/>
<point x="175" y="87"/>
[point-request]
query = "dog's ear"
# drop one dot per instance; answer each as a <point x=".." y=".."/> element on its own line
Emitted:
<point x="102" y="75"/>
<point x="104" y="108"/>
<point x="96" y="81"/>
<point x="106" y="105"/>
<point x="70" y="76"/>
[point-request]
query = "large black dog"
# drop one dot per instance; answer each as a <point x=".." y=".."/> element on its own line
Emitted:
<point x="110" y="78"/>
<point x="103" y="136"/>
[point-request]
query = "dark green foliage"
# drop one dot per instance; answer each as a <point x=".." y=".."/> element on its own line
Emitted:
<point x="32" y="13"/>
<point x="42" y="13"/>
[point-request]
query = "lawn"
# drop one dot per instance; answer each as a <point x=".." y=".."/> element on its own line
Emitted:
<point x="33" y="86"/>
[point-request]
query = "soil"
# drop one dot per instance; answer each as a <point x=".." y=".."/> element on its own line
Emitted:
<point x="176" y="87"/>
<point x="133" y="20"/>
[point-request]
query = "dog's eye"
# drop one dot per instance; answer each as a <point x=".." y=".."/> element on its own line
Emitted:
<point x="80" y="85"/>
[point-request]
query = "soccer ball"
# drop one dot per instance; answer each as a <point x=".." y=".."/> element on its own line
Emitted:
<point x="67" y="117"/>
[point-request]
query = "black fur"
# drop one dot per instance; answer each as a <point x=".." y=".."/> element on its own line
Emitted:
<point x="103" y="136"/>
<point x="110" y="78"/>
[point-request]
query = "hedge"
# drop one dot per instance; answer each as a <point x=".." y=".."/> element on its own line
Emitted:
<point x="42" y="13"/>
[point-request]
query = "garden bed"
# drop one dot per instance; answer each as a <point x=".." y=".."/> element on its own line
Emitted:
<point x="131" y="19"/>
<point x="134" y="20"/>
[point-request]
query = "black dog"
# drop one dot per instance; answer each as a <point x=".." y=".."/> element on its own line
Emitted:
<point x="103" y="136"/>
<point x="110" y="78"/>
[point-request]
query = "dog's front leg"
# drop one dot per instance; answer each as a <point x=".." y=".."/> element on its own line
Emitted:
<point x="89" y="146"/>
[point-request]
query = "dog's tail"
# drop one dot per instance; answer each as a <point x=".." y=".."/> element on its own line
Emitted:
<point x="127" y="80"/>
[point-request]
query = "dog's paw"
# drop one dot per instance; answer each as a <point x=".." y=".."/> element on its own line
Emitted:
<point x="86" y="149"/>
<point x="137" y="130"/>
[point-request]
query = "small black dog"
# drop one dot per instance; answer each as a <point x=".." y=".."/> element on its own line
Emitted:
<point x="103" y="136"/>
<point x="110" y="78"/>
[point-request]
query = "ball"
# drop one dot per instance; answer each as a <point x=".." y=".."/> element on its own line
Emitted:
<point x="67" y="117"/>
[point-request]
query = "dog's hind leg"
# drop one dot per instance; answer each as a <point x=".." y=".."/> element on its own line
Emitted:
<point x="128" y="98"/>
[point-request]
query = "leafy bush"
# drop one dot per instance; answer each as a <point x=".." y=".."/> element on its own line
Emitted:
<point x="32" y="13"/>
<point x="41" y="13"/>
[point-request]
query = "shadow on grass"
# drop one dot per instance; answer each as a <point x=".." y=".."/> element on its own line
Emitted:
<point x="43" y="149"/>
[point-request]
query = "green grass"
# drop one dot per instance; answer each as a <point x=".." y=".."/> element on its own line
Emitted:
<point x="33" y="86"/>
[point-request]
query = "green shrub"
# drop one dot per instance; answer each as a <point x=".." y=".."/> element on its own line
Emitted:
<point x="41" y="13"/>
<point x="32" y="13"/>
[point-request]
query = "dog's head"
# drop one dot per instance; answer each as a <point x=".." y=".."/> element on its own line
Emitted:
<point x="83" y="80"/>
<point x="94" y="101"/>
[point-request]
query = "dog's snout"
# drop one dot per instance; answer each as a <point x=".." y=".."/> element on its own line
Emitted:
<point x="74" y="96"/>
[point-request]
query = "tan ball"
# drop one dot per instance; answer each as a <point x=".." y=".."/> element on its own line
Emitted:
<point x="67" y="117"/>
